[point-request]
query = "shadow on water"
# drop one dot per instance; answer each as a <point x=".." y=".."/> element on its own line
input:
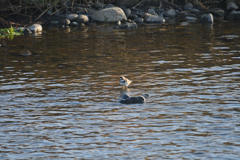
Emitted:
<point x="61" y="101"/>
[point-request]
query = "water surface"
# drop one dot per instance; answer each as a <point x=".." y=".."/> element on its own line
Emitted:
<point x="62" y="101"/>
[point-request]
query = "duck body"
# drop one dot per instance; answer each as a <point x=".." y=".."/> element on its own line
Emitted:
<point x="126" y="99"/>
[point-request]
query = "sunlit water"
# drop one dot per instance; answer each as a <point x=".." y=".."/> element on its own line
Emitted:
<point x="62" y="101"/>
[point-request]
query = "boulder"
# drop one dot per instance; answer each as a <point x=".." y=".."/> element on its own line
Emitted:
<point x="154" y="19"/>
<point x="71" y="17"/>
<point x="127" y="3"/>
<point x="206" y="18"/>
<point x="232" y="6"/>
<point x="234" y="15"/>
<point x="82" y="18"/>
<point x="35" y="28"/>
<point x="113" y="14"/>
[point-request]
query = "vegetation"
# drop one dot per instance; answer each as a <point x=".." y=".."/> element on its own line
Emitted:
<point x="10" y="32"/>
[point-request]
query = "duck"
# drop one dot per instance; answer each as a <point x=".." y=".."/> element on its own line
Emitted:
<point x="126" y="99"/>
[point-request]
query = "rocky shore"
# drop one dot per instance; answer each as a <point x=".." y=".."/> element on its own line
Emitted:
<point x="128" y="14"/>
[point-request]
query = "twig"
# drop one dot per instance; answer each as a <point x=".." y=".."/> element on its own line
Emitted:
<point x="42" y="14"/>
<point x="199" y="4"/>
<point x="171" y="4"/>
<point x="137" y="4"/>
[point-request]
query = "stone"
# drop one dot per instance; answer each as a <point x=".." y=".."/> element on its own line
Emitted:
<point x="71" y="17"/>
<point x="82" y="18"/>
<point x="191" y="19"/>
<point x="152" y="12"/>
<point x="170" y="13"/>
<point x="74" y="23"/>
<point x="99" y="5"/>
<point x="234" y="15"/>
<point x="109" y="6"/>
<point x="139" y="20"/>
<point x="127" y="25"/>
<point x="154" y="19"/>
<point x="232" y="6"/>
<point x="127" y="3"/>
<point x="65" y="22"/>
<point x="25" y="52"/>
<point x="188" y="6"/>
<point x="27" y="31"/>
<point x="35" y="28"/>
<point x="206" y="18"/>
<point x="113" y="14"/>
<point x="54" y="22"/>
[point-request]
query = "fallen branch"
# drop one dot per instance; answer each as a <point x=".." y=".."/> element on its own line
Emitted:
<point x="196" y="2"/>
<point x="171" y="4"/>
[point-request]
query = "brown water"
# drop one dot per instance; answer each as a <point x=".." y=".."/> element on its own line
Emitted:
<point x="62" y="101"/>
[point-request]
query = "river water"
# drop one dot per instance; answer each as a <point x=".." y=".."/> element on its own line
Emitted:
<point x="62" y="101"/>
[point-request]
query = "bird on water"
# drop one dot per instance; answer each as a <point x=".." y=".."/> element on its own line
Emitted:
<point x="124" y="82"/>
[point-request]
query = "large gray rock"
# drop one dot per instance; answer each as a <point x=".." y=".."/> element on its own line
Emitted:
<point x="113" y="14"/>
<point x="206" y="18"/>
<point x="35" y="28"/>
<point x="232" y="6"/>
<point x="127" y="3"/>
<point x="234" y="15"/>
<point x="154" y="19"/>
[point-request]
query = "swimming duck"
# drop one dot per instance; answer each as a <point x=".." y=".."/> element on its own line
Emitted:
<point x="126" y="99"/>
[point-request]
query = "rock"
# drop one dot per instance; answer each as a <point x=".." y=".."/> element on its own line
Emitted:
<point x="27" y="31"/>
<point x="126" y="99"/>
<point x="119" y="23"/>
<point x="24" y="53"/>
<point x="109" y="6"/>
<point x="113" y="14"/>
<point x="194" y="10"/>
<point x="218" y="13"/>
<point x="132" y="16"/>
<point x="127" y="25"/>
<point x="191" y="19"/>
<point x="71" y="17"/>
<point x="234" y="15"/>
<point x="127" y="12"/>
<point x="139" y="20"/>
<point x="74" y="23"/>
<point x="152" y="12"/>
<point x="232" y="6"/>
<point x="206" y="18"/>
<point x="98" y="5"/>
<point x="82" y="18"/>
<point x="154" y="19"/>
<point x="188" y="6"/>
<point x="127" y="3"/>
<point x="170" y="13"/>
<point x="35" y="28"/>
<point x="54" y="22"/>
<point x="65" y="22"/>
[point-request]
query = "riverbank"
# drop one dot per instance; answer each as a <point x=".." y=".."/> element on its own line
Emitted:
<point x="65" y="13"/>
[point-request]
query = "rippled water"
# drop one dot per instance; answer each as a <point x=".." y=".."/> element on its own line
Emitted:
<point x="62" y="101"/>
